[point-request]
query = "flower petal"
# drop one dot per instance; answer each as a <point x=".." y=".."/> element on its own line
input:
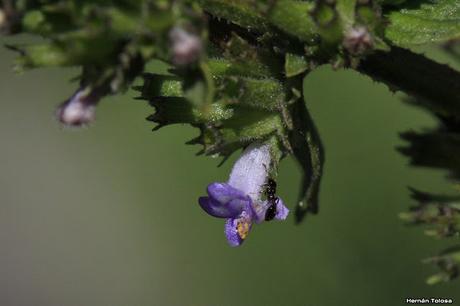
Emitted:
<point x="249" y="173"/>
<point x="232" y="234"/>
<point x="260" y="209"/>
<point x="281" y="210"/>
<point x="236" y="230"/>
<point x="223" y="192"/>
<point x="230" y="209"/>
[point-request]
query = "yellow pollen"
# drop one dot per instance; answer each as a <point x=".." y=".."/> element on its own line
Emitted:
<point x="242" y="228"/>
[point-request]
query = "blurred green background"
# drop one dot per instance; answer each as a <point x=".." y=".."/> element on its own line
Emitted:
<point x="108" y="215"/>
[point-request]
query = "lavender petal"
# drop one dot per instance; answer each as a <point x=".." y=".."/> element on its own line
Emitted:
<point x="223" y="192"/>
<point x="260" y="209"/>
<point x="281" y="210"/>
<point x="249" y="173"/>
<point x="231" y="233"/>
<point x="230" y="209"/>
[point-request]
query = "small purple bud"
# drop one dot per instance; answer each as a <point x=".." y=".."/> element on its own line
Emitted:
<point x="79" y="109"/>
<point x="186" y="47"/>
<point x="358" y="40"/>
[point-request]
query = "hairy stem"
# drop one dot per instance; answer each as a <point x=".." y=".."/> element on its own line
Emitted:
<point x="434" y="85"/>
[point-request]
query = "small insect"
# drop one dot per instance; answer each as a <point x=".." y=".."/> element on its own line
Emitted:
<point x="272" y="199"/>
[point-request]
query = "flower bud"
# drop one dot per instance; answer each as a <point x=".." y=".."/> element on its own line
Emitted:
<point x="358" y="40"/>
<point x="79" y="109"/>
<point x="186" y="47"/>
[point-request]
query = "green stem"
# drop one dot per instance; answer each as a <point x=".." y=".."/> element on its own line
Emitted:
<point x="309" y="152"/>
<point x="435" y="86"/>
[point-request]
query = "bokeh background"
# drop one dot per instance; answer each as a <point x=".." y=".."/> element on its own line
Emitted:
<point x="108" y="215"/>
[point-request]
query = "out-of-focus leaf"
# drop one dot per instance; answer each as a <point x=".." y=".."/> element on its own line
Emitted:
<point x="433" y="85"/>
<point x="238" y="11"/>
<point x="293" y="17"/>
<point x="392" y="2"/>
<point x="421" y="22"/>
<point x="434" y="149"/>
<point x="448" y="262"/>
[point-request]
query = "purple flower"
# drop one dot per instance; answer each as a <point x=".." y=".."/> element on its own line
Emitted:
<point x="239" y="200"/>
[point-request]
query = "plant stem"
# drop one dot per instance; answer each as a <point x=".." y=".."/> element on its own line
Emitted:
<point x="434" y="85"/>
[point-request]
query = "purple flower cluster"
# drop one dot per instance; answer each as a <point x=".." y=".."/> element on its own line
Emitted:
<point x="239" y="200"/>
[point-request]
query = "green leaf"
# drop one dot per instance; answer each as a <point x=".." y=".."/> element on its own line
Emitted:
<point x="241" y="109"/>
<point x="293" y="17"/>
<point x="295" y="64"/>
<point x="424" y="22"/>
<point x="309" y="153"/>
<point x="156" y="85"/>
<point x="265" y="94"/>
<point x="436" y="278"/>
<point x="172" y="110"/>
<point x="433" y="149"/>
<point x="238" y="11"/>
<point x="196" y="92"/>
<point x="447" y="261"/>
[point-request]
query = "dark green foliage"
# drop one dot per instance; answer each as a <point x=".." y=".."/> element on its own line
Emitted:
<point x="234" y="70"/>
<point x="441" y="214"/>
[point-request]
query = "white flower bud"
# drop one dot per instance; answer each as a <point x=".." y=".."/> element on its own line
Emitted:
<point x="358" y="40"/>
<point x="78" y="110"/>
<point x="186" y="47"/>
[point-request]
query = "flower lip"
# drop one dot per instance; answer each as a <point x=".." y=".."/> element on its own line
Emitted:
<point x="224" y="201"/>
<point x="231" y="233"/>
<point x="237" y="229"/>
